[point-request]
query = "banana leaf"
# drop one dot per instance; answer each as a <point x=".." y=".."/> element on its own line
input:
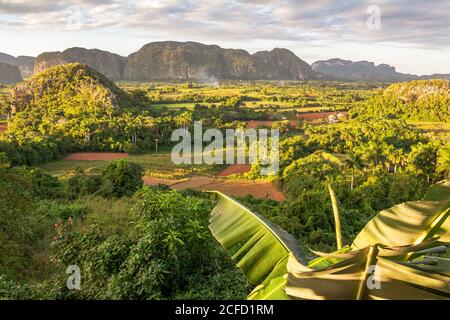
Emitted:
<point x="351" y="278"/>
<point x="410" y="222"/>
<point x="272" y="260"/>
<point x="275" y="290"/>
<point x="433" y="264"/>
<point x="260" y="248"/>
<point x="326" y="261"/>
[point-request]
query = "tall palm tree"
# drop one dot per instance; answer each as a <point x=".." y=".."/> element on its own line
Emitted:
<point x="397" y="158"/>
<point x="354" y="162"/>
<point x="389" y="154"/>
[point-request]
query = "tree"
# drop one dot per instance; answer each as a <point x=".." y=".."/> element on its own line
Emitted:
<point x="423" y="159"/>
<point x="443" y="161"/>
<point x="125" y="177"/>
<point x="354" y="162"/>
<point x="282" y="126"/>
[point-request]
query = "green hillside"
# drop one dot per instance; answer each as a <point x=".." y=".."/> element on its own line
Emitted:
<point x="422" y="100"/>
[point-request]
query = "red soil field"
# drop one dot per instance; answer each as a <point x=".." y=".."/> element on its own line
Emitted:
<point x="234" y="169"/>
<point x="156" y="181"/>
<point x="253" y="124"/>
<point x="3" y="127"/>
<point x="258" y="189"/>
<point x="95" y="156"/>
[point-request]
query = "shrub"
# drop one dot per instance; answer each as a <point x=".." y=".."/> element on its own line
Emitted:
<point x="125" y="177"/>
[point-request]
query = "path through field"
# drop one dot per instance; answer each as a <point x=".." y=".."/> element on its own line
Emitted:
<point x="96" y="156"/>
<point x="258" y="189"/>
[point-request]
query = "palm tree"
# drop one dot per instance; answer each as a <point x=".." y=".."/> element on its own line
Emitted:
<point x="397" y="157"/>
<point x="389" y="154"/>
<point x="375" y="154"/>
<point x="423" y="159"/>
<point x="354" y="162"/>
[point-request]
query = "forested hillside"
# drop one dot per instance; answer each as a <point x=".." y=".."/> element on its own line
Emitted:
<point x="68" y="107"/>
<point x="423" y="100"/>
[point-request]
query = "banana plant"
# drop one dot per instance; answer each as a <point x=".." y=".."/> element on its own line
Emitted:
<point x="261" y="249"/>
<point x="393" y="251"/>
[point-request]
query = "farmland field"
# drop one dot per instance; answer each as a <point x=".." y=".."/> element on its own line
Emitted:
<point x="155" y="165"/>
<point x="440" y="129"/>
<point x="158" y="169"/>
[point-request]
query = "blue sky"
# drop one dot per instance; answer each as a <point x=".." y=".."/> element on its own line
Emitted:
<point x="412" y="35"/>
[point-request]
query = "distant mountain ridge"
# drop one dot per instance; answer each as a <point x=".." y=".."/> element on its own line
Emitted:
<point x="109" y="64"/>
<point x="171" y="60"/>
<point x="24" y="63"/>
<point x="192" y="60"/>
<point x="9" y="74"/>
<point x="366" y="71"/>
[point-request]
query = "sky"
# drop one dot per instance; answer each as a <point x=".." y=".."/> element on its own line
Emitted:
<point x="412" y="35"/>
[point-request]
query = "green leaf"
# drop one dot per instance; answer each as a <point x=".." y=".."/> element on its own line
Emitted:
<point x="337" y="220"/>
<point x="260" y="248"/>
<point x="323" y="261"/>
<point x="349" y="278"/>
<point x="275" y="290"/>
<point x="410" y="222"/>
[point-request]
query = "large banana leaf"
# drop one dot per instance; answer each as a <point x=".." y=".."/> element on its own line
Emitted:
<point x="260" y="248"/>
<point x="272" y="260"/>
<point x="410" y="222"/>
<point x="349" y="278"/>
<point x="434" y="264"/>
<point x="275" y="290"/>
<point x="326" y="261"/>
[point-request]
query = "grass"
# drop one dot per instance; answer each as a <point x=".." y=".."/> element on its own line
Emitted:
<point x="155" y="165"/>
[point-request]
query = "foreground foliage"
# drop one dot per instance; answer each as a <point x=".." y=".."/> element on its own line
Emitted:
<point x="391" y="245"/>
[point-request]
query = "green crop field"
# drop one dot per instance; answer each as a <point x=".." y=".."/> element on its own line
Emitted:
<point x="155" y="165"/>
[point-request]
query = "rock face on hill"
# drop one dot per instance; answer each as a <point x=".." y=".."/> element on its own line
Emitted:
<point x="282" y="64"/>
<point x="9" y="74"/>
<point x="24" y="63"/>
<point x="171" y="60"/>
<point x="421" y="100"/>
<point x="360" y="71"/>
<point x="6" y="58"/>
<point x="191" y="60"/>
<point x="109" y="64"/>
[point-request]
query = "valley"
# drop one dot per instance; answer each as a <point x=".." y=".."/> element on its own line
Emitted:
<point x="87" y="177"/>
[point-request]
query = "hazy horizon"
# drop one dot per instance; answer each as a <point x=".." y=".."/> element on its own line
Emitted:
<point x="413" y="36"/>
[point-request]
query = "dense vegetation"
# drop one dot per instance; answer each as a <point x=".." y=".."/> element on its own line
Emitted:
<point x="372" y="163"/>
<point x="74" y="108"/>
<point x="136" y="242"/>
<point x="423" y="100"/>
<point x="152" y="245"/>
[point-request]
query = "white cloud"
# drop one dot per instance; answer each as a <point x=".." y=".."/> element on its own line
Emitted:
<point x="251" y="24"/>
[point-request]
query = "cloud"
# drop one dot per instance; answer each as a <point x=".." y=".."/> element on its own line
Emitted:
<point x="418" y="23"/>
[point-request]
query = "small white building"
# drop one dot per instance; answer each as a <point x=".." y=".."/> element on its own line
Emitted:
<point x="333" y="119"/>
